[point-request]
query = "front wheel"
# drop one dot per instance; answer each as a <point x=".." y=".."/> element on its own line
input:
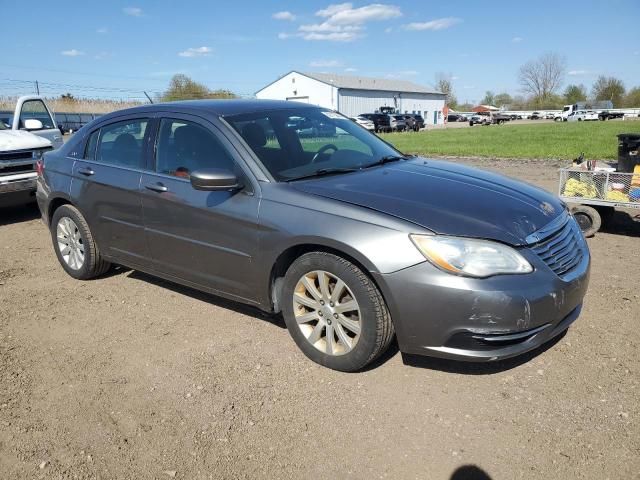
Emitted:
<point x="334" y="312"/>
<point x="74" y="245"/>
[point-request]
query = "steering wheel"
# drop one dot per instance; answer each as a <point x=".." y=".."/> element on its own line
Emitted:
<point x="322" y="150"/>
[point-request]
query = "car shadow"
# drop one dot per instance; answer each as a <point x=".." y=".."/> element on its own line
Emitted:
<point x="478" y="368"/>
<point x="623" y="223"/>
<point x="18" y="214"/>
<point x="210" y="298"/>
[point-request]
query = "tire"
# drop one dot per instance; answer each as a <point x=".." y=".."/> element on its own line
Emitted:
<point x="92" y="264"/>
<point x="372" y="318"/>
<point x="606" y="214"/>
<point x="588" y="219"/>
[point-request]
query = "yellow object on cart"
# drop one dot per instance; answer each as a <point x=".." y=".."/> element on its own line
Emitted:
<point x="635" y="179"/>
<point x="617" y="196"/>
<point x="576" y="188"/>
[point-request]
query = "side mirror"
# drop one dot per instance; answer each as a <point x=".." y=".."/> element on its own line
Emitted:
<point x="32" y="124"/>
<point x="214" y="179"/>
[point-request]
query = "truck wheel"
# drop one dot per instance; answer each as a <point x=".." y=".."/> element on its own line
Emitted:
<point x="588" y="219"/>
<point x="74" y="245"/>
<point x="334" y="312"/>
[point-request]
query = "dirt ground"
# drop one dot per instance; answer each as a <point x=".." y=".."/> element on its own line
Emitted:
<point x="131" y="377"/>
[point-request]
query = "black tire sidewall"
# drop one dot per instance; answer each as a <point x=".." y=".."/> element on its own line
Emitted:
<point x="64" y="211"/>
<point x="366" y="346"/>
<point x="592" y="214"/>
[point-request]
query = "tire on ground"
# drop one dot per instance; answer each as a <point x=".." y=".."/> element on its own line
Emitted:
<point x="94" y="265"/>
<point x="588" y="219"/>
<point x="375" y="321"/>
<point x="606" y="214"/>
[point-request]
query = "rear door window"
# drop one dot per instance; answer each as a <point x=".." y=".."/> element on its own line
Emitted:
<point x="122" y="143"/>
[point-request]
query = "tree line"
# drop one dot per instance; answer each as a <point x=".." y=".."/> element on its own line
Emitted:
<point x="541" y="82"/>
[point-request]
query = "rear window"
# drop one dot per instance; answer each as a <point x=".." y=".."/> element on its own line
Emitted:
<point x="122" y="143"/>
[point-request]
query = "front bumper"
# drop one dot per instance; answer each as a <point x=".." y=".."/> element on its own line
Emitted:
<point x="443" y="315"/>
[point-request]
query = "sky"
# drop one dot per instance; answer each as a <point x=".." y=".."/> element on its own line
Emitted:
<point x="118" y="49"/>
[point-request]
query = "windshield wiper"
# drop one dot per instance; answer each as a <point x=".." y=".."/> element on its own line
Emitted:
<point x="386" y="159"/>
<point x="322" y="172"/>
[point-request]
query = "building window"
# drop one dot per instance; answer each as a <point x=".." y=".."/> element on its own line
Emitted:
<point x="293" y="79"/>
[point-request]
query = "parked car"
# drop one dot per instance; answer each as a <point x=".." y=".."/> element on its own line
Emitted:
<point x="455" y="117"/>
<point x="418" y="121"/>
<point x="397" y="123"/>
<point x="488" y="118"/>
<point x="381" y="121"/>
<point x="311" y="128"/>
<point x="413" y="122"/>
<point x="582" y="116"/>
<point x="25" y="134"/>
<point x="364" y="122"/>
<point x="536" y="116"/>
<point x="353" y="243"/>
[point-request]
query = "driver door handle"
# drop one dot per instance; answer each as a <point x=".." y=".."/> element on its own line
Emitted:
<point x="157" y="187"/>
<point x="86" y="171"/>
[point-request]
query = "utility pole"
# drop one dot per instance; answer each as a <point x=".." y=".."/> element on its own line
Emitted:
<point x="37" y="88"/>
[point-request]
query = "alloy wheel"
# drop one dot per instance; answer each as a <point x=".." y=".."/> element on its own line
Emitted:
<point x="327" y="312"/>
<point x="70" y="243"/>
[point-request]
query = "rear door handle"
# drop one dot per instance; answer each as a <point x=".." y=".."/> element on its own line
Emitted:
<point x="86" y="171"/>
<point x="157" y="187"/>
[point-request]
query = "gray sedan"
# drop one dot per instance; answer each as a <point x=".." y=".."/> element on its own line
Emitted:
<point x="352" y="241"/>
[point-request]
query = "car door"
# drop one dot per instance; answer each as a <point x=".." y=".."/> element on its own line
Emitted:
<point x="30" y="108"/>
<point x="106" y="188"/>
<point x="205" y="238"/>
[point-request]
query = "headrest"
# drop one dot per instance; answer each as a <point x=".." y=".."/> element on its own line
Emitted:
<point x="254" y="135"/>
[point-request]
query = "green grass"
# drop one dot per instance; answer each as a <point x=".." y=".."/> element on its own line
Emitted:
<point x="545" y="140"/>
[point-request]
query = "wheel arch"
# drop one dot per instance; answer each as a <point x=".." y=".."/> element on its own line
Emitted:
<point x="292" y="253"/>
<point x="55" y="203"/>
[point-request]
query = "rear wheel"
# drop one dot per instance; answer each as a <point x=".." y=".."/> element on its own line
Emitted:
<point x="588" y="219"/>
<point x="75" y="247"/>
<point x="334" y="312"/>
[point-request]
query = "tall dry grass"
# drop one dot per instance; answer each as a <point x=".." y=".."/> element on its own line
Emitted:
<point x="74" y="106"/>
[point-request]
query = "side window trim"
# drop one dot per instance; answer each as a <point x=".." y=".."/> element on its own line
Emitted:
<point x="88" y="143"/>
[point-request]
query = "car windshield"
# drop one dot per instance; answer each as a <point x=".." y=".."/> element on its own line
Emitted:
<point x="297" y="143"/>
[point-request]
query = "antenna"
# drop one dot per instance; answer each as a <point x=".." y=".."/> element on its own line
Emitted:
<point x="145" y="94"/>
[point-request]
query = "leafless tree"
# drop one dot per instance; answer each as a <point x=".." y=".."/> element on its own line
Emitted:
<point x="444" y="85"/>
<point x="543" y="77"/>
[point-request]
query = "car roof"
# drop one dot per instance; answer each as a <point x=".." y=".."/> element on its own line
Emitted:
<point x="216" y="107"/>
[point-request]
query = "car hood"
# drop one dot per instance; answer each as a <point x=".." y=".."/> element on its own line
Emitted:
<point x="21" y="140"/>
<point x="445" y="198"/>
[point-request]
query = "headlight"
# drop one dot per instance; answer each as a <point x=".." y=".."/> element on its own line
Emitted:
<point x="469" y="257"/>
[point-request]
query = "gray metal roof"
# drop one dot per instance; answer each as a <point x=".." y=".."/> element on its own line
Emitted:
<point x="368" y="83"/>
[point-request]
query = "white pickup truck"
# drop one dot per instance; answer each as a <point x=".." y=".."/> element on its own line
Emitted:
<point x="25" y="134"/>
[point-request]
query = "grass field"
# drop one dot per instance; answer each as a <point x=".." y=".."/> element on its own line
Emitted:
<point x="549" y="140"/>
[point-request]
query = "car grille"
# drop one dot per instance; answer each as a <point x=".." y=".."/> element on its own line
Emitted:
<point x="16" y="155"/>
<point x="562" y="251"/>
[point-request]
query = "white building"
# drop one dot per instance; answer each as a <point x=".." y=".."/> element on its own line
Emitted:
<point x="352" y="96"/>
